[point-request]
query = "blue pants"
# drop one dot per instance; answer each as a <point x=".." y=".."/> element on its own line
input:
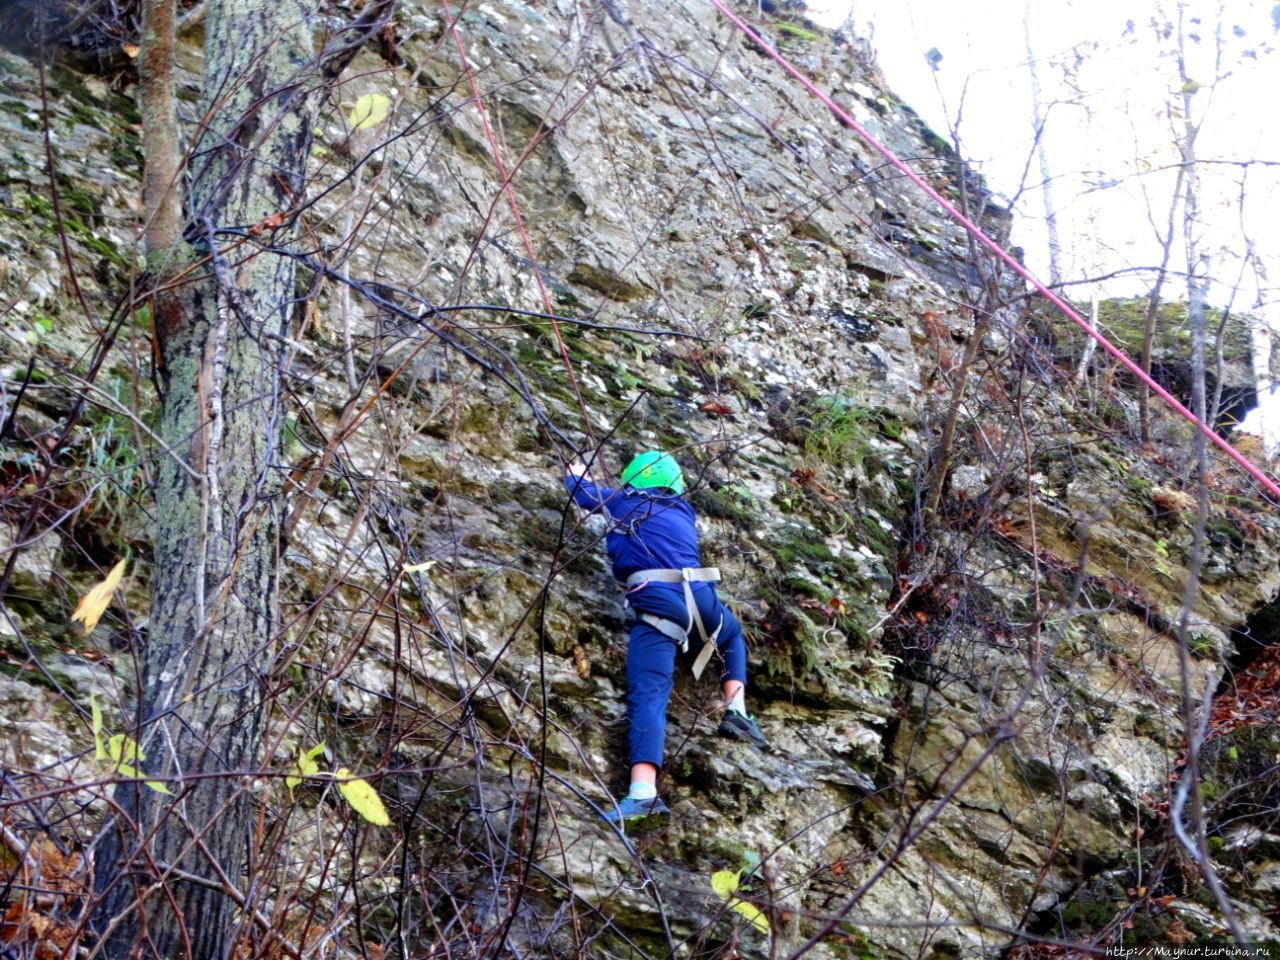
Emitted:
<point x="651" y="658"/>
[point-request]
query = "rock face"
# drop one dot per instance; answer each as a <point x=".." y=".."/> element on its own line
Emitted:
<point x="973" y="717"/>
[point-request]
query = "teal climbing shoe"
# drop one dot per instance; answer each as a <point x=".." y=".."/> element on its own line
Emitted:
<point x="738" y="726"/>
<point x="631" y="814"/>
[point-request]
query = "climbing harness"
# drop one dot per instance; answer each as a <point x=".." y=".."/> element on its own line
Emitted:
<point x="687" y="576"/>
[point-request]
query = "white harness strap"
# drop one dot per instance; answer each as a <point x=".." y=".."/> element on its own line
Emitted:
<point x="687" y="576"/>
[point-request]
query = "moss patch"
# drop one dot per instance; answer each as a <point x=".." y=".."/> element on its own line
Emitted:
<point x="799" y="33"/>
<point x="607" y="282"/>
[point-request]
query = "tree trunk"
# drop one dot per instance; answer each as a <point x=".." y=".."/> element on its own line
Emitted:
<point x="1192" y="834"/>
<point x="1264" y="383"/>
<point x="158" y="104"/>
<point x="1042" y="154"/>
<point x="170" y="867"/>
<point x="991" y="300"/>
<point x="1153" y="310"/>
<point x="1090" y="344"/>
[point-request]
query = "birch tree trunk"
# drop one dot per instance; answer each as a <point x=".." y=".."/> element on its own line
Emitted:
<point x="1268" y="423"/>
<point x="170" y="869"/>
<point x="1153" y="306"/>
<point x="1090" y="344"/>
<point x="1187" y="795"/>
<point x="1042" y="154"/>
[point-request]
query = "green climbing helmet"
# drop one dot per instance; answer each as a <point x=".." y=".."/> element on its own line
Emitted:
<point x="653" y="468"/>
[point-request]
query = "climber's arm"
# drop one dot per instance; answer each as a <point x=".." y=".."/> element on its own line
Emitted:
<point x="585" y="493"/>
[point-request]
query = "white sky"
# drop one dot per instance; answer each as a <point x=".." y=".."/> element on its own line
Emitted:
<point x="1107" y="88"/>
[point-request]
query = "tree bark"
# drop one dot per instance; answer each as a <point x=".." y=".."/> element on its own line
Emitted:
<point x="1192" y="834"/>
<point x="1042" y="154"/>
<point x="165" y="865"/>
<point x="1153" y="310"/>
<point x="158" y="104"/>
<point x="1090" y="344"/>
<point x="991" y="301"/>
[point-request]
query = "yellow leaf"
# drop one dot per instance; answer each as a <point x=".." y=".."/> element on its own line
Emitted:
<point x="305" y="765"/>
<point x="725" y="882"/>
<point x="369" y="111"/>
<point x="132" y="773"/>
<point x="94" y="603"/>
<point x="419" y="567"/>
<point x="99" y="749"/>
<point x="122" y="750"/>
<point x="363" y="798"/>
<point x="755" y="916"/>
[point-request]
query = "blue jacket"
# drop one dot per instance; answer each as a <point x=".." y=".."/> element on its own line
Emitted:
<point x="649" y="529"/>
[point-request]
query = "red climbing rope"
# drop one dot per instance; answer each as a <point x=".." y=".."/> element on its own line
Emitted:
<point x="515" y="213"/>
<point x="995" y="248"/>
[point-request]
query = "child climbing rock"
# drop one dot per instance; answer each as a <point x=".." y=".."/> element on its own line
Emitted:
<point x="653" y="547"/>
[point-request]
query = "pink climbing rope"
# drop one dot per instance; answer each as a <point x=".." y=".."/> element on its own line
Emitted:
<point x="509" y="192"/>
<point x="1019" y="269"/>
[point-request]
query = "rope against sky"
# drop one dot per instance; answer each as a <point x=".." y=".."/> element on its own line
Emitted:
<point x="1267" y="483"/>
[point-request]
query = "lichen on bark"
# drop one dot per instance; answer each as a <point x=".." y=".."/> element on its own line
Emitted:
<point x="170" y="865"/>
